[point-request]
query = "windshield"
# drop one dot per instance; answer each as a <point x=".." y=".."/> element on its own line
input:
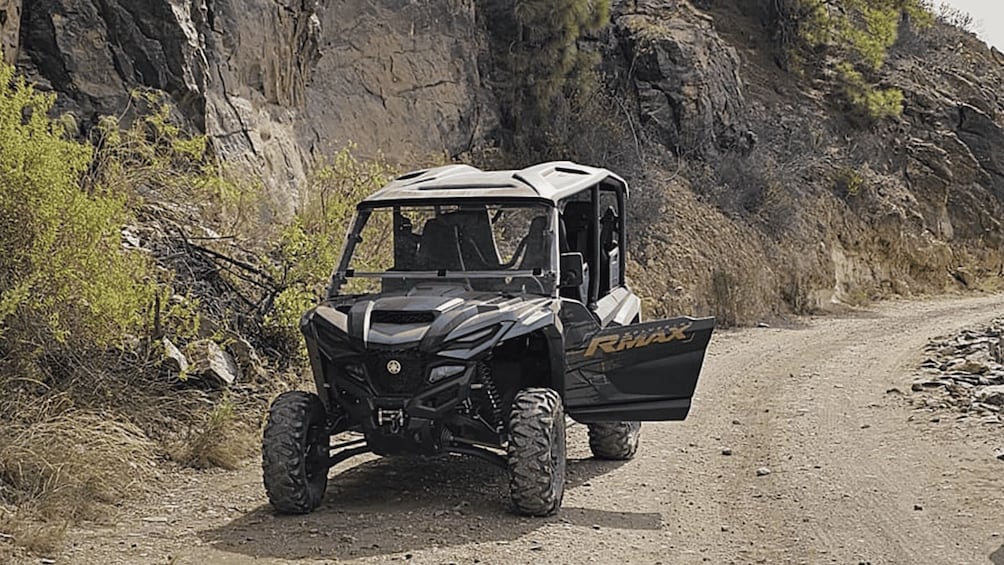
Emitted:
<point x="491" y="247"/>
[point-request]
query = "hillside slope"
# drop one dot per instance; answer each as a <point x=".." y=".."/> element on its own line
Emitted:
<point x="757" y="192"/>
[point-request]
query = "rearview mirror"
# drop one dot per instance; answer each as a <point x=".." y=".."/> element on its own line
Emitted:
<point x="571" y="268"/>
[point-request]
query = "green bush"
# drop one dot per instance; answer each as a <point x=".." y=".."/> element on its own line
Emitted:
<point x="856" y="34"/>
<point x="542" y="75"/>
<point x="870" y="101"/>
<point x="64" y="277"/>
<point x="309" y="247"/>
<point x="152" y="157"/>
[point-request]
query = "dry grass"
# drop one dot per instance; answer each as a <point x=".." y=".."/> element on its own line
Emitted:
<point x="59" y="463"/>
<point x="24" y="532"/>
<point x="64" y="464"/>
<point x="223" y="440"/>
<point x="73" y="455"/>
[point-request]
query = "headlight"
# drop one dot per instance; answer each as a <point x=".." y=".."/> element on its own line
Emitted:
<point x="444" y="372"/>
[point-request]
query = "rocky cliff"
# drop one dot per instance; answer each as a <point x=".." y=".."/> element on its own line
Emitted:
<point x="273" y="83"/>
<point x="757" y="190"/>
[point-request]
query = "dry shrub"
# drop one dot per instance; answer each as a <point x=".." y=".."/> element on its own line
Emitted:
<point x="63" y="463"/>
<point x="24" y="531"/>
<point x="221" y="441"/>
<point x="725" y="297"/>
<point x="59" y="463"/>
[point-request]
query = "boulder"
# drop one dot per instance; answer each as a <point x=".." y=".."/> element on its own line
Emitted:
<point x="211" y="363"/>
<point x="246" y="356"/>
<point x="686" y="77"/>
<point x="174" y="360"/>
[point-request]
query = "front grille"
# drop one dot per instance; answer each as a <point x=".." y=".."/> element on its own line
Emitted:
<point x="401" y="317"/>
<point x="406" y="382"/>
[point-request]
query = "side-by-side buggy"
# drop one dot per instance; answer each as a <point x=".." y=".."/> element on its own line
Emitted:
<point x="471" y="312"/>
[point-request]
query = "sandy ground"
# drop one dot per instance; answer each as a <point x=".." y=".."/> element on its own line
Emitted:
<point x="857" y="475"/>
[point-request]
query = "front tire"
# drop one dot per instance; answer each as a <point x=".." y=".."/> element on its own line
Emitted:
<point x="295" y="453"/>
<point x="616" y="441"/>
<point x="536" y="452"/>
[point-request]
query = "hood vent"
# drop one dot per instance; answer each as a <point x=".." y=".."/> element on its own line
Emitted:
<point x="401" y="317"/>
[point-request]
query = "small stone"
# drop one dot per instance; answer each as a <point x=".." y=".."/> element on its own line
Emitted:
<point x="918" y="386"/>
<point x="973" y="367"/>
<point x="993" y="395"/>
<point x="174" y="360"/>
<point x="725" y="528"/>
<point x="918" y="507"/>
<point x="763" y="471"/>
<point x="726" y="451"/>
<point x="129" y="239"/>
<point x="596" y="526"/>
<point x="763" y="325"/>
<point x="999" y="453"/>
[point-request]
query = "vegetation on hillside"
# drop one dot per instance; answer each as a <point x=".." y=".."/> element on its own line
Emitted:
<point x="310" y="245"/>
<point x="545" y="77"/>
<point x="87" y="404"/>
<point x="849" y="37"/>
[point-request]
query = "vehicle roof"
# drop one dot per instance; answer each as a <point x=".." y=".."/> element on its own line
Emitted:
<point x="552" y="181"/>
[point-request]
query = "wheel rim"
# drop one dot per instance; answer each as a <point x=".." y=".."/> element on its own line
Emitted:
<point x="557" y="456"/>
<point x="316" y="455"/>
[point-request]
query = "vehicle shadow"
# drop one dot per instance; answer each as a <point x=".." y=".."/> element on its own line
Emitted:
<point x="997" y="557"/>
<point x="393" y="505"/>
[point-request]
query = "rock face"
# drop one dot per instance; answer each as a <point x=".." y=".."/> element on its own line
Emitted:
<point x="685" y="75"/>
<point x="10" y="26"/>
<point x="952" y="159"/>
<point x="274" y="83"/>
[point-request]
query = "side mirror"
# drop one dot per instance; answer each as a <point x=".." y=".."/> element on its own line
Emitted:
<point x="571" y="270"/>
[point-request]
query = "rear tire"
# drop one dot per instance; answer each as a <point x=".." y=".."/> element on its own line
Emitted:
<point x="536" y="452"/>
<point x="617" y="441"/>
<point x="295" y="453"/>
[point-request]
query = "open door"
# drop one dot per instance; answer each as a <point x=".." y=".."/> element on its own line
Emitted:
<point x="645" y="372"/>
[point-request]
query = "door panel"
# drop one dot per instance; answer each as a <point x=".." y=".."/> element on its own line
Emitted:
<point x="642" y="371"/>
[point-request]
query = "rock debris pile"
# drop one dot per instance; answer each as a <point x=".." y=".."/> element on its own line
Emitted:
<point x="968" y="372"/>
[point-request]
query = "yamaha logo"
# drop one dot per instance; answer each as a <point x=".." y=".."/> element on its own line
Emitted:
<point x="393" y="366"/>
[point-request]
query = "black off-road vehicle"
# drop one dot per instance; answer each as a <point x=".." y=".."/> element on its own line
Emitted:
<point x="470" y="313"/>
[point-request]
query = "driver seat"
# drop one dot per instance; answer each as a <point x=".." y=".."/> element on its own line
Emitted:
<point x="439" y="247"/>
<point x="536" y="246"/>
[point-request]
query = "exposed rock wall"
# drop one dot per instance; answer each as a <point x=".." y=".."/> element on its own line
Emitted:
<point x="799" y="202"/>
<point x="10" y="27"/>
<point x="685" y="76"/>
<point x="274" y="83"/>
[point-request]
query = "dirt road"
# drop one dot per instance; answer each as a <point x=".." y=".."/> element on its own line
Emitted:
<point x="857" y="475"/>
